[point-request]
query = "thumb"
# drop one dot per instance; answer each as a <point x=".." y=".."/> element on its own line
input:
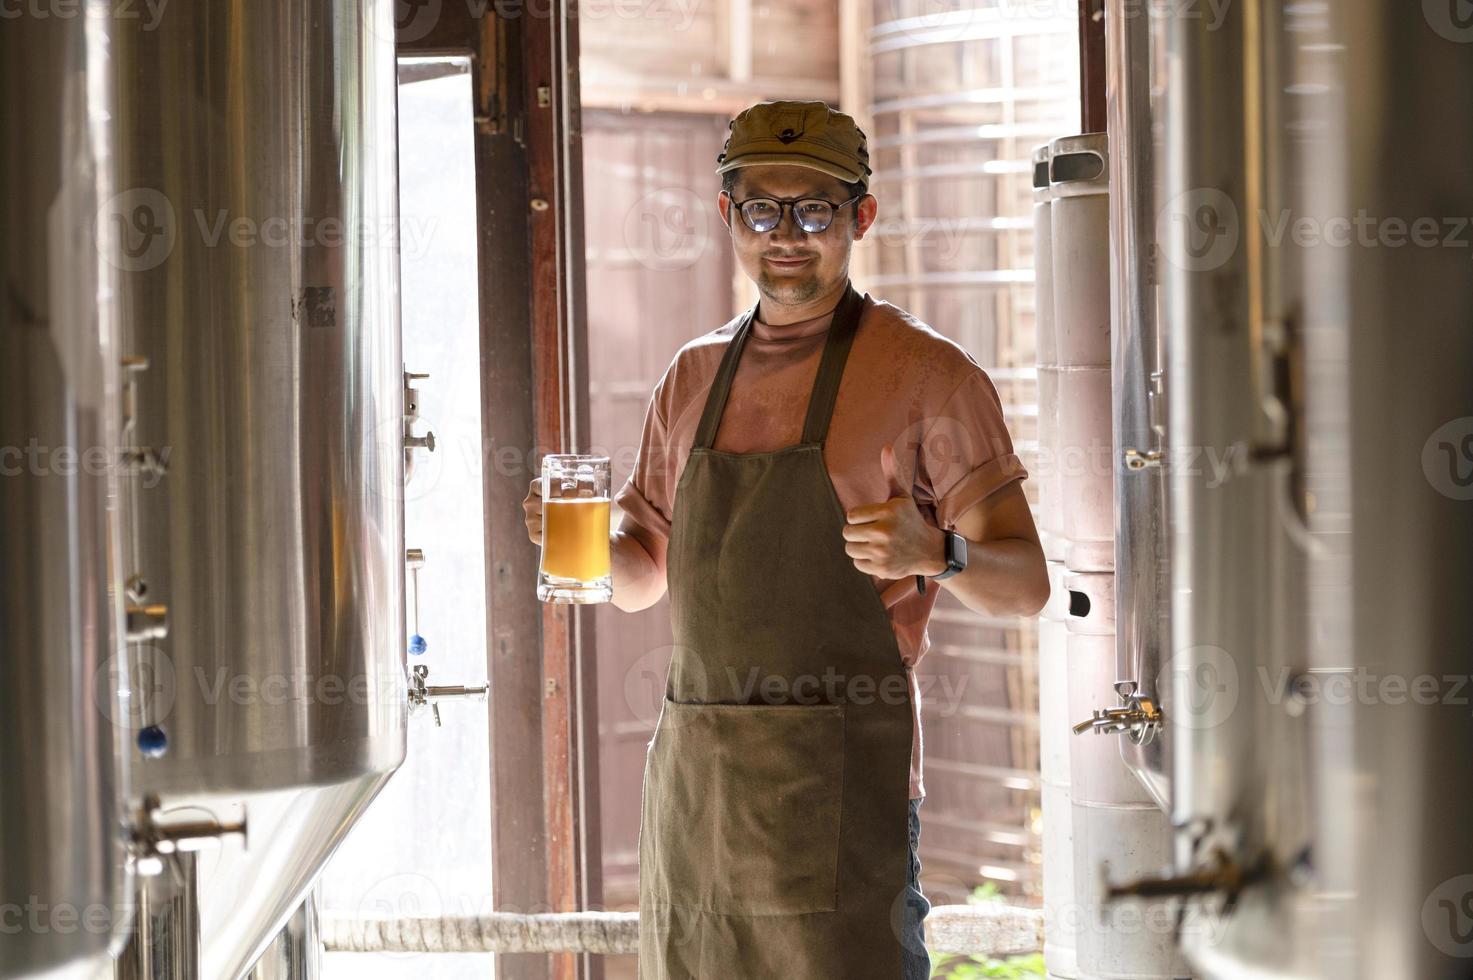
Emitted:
<point x="898" y="487"/>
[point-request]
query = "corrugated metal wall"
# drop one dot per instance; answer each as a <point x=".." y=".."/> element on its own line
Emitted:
<point x="958" y="95"/>
<point x="953" y="96"/>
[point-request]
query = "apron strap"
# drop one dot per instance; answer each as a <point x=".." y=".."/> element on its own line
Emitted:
<point x="831" y="368"/>
<point x="825" y="385"/>
<point x="721" y="387"/>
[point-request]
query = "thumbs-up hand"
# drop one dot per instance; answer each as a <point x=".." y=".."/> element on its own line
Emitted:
<point x="891" y="539"/>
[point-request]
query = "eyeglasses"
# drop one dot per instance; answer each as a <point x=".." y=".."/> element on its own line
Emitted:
<point x="812" y="214"/>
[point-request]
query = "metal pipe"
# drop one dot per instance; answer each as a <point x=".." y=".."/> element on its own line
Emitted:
<point x="1142" y="565"/>
<point x="166" y="942"/>
<point x="296" y="952"/>
<point x="1117" y="829"/>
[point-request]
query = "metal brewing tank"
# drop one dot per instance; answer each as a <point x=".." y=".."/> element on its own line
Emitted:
<point x="1118" y="831"/>
<point x="1242" y="743"/>
<point x="63" y="880"/>
<point x="1142" y="559"/>
<point x="258" y="157"/>
<point x="1391" y="394"/>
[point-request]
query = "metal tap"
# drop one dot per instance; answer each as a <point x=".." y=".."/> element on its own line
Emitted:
<point x="1137" y="716"/>
<point x="147" y="622"/>
<point x="153" y="839"/>
<point x="422" y="694"/>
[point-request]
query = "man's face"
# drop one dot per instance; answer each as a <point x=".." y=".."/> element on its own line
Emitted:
<point x="791" y="266"/>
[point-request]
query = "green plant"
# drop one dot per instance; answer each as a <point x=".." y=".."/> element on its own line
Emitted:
<point x="957" y="967"/>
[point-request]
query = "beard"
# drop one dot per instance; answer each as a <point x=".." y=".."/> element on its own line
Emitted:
<point x="789" y="290"/>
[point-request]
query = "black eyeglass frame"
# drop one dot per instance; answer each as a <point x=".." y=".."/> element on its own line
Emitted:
<point x="786" y="203"/>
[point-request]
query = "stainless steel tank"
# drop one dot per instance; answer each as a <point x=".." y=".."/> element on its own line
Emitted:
<point x="63" y="879"/>
<point x="258" y="152"/>
<point x="1391" y="469"/>
<point x="1242" y="746"/>
<point x="1142" y="559"/>
<point x="1060" y="925"/>
<point x="1117" y="829"/>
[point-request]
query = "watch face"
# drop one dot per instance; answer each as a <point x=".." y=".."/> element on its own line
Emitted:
<point x="956" y="550"/>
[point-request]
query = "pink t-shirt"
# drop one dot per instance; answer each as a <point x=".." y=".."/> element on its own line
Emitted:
<point x="904" y="385"/>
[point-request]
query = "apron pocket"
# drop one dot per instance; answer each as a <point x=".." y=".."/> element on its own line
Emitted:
<point x="742" y="806"/>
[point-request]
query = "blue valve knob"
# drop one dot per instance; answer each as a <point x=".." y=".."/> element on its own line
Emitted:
<point x="417" y="645"/>
<point x="152" y="742"/>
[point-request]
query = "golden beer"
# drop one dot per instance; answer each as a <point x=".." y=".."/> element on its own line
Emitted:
<point x="575" y="538"/>
<point x="576" y="501"/>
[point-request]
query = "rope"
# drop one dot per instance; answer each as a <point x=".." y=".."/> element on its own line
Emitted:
<point x="990" y="930"/>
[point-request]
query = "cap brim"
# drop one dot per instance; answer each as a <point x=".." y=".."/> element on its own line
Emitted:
<point x="795" y="160"/>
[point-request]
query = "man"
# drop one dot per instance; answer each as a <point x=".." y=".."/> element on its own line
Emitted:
<point x="810" y="476"/>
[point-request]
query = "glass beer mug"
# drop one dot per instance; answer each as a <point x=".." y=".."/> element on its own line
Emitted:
<point x="575" y="530"/>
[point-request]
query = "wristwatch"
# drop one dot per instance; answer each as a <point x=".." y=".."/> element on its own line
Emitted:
<point x="956" y="560"/>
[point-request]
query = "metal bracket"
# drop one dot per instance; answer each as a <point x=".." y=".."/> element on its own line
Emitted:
<point x="422" y="694"/>
<point x="151" y="839"/>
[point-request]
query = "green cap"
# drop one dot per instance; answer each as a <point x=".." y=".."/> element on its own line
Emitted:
<point x="802" y="134"/>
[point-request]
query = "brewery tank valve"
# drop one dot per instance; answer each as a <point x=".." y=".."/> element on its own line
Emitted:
<point x="1137" y="716"/>
<point x="423" y="694"/>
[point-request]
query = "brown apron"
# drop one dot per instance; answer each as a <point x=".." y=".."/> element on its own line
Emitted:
<point x="773" y="832"/>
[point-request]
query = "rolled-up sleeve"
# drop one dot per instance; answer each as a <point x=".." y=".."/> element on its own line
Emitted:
<point x="644" y="499"/>
<point x="967" y="454"/>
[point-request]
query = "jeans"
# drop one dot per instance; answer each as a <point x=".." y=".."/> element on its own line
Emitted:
<point x="915" y="961"/>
